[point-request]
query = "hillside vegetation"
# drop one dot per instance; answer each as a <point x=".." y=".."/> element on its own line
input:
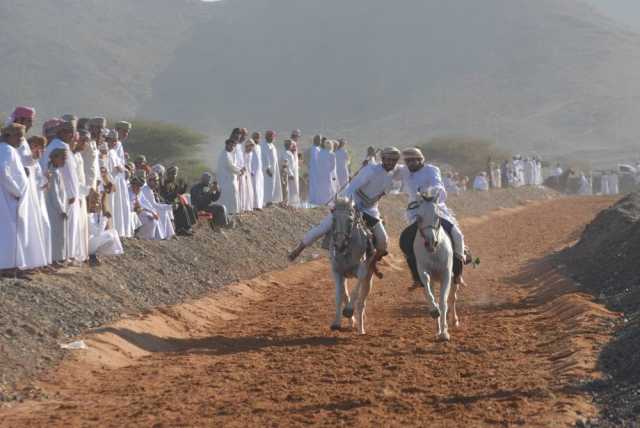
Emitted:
<point x="465" y="154"/>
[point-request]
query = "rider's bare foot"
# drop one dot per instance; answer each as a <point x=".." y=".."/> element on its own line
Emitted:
<point x="459" y="280"/>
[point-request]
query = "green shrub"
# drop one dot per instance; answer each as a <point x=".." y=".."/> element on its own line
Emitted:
<point x="168" y="144"/>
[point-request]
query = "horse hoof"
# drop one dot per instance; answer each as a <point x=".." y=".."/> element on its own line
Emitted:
<point x="347" y="312"/>
<point x="444" y="337"/>
<point x="435" y="313"/>
<point x="335" y="327"/>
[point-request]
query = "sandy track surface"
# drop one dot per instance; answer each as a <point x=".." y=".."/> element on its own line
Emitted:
<point x="260" y="353"/>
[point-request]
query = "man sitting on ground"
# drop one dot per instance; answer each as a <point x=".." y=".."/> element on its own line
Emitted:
<point x="203" y="197"/>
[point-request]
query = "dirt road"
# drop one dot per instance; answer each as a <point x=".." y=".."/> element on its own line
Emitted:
<point x="261" y="353"/>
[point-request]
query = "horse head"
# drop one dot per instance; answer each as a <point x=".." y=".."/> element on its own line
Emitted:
<point x="428" y="218"/>
<point x="344" y="218"/>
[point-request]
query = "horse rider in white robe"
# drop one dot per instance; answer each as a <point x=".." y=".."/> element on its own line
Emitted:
<point x="255" y="169"/>
<point x="14" y="185"/>
<point x="228" y="173"/>
<point x="418" y="176"/>
<point x="290" y="155"/>
<point x="271" y="169"/>
<point x="314" y="151"/>
<point x="366" y="189"/>
<point x="342" y="164"/>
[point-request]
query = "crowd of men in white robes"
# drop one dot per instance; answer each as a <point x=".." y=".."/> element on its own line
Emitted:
<point x="72" y="194"/>
<point x="253" y="173"/>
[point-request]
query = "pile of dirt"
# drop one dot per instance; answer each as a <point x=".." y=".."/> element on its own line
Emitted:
<point x="39" y="315"/>
<point x="605" y="261"/>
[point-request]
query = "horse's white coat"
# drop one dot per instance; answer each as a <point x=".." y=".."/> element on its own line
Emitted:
<point x="434" y="257"/>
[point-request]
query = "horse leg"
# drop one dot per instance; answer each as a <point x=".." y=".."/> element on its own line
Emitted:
<point x="365" y="288"/>
<point x="346" y="302"/>
<point x="428" y="293"/>
<point x="445" y="287"/>
<point x="454" y="291"/>
<point x="359" y="295"/>
<point x="348" y="310"/>
<point x="340" y="292"/>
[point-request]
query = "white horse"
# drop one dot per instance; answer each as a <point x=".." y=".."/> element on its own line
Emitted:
<point x="434" y="257"/>
<point x="350" y="258"/>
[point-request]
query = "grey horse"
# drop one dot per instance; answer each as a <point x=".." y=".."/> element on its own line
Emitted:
<point x="350" y="258"/>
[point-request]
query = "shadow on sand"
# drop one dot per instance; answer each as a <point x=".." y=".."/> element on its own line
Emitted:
<point x="215" y="345"/>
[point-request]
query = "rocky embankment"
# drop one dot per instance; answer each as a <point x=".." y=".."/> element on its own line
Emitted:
<point x="39" y="315"/>
<point x="606" y="261"/>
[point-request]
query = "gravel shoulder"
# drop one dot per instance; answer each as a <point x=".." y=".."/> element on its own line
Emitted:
<point x="39" y="315"/>
<point x="605" y="261"/>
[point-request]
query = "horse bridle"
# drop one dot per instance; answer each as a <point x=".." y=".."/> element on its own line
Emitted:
<point x="435" y="227"/>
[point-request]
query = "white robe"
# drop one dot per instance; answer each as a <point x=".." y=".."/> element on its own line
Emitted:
<point x="247" y="197"/>
<point x="326" y="177"/>
<point x="272" y="184"/>
<point x="614" y="187"/>
<point x="243" y="180"/>
<point x="342" y="167"/>
<point x="585" y="186"/>
<point x="80" y="242"/>
<point x="314" y="151"/>
<point x="103" y="241"/>
<point x="164" y="211"/>
<point x="257" y="177"/>
<point x="228" y="173"/>
<point x="529" y="173"/>
<point x="293" y="178"/>
<point x="42" y="183"/>
<point x="604" y="184"/>
<point x="72" y="190"/>
<point x="150" y="229"/>
<point x="90" y="156"/>
<point x="14" y="186"/>
<point x="35" y="251"/>
<point x="123" y="217"/>
<point x="481" y="183"/>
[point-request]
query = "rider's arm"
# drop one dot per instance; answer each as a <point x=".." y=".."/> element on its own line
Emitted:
<point x="358" y="181"/>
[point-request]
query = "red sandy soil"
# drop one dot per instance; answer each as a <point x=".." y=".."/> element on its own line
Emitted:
<point x="261" y="353"/>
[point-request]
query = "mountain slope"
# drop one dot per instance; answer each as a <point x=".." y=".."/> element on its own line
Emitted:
<point x="88" y="56"/>
<point x="550" y="76"/>
<point x="545" y="76"/>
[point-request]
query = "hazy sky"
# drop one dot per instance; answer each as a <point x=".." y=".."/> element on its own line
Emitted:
<point x="625" y="11"/>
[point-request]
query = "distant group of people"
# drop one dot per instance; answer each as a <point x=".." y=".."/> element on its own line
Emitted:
<point x="253" y="174"/>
